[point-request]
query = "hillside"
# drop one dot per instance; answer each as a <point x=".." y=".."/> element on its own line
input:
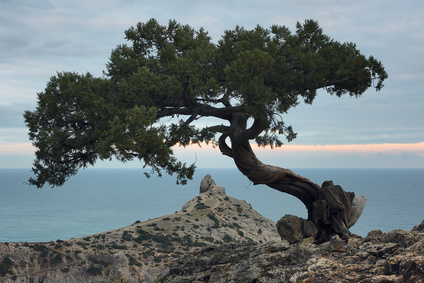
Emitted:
<point x="142" y="251"/>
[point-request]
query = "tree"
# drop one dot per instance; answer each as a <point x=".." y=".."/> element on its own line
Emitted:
<point x="155" y="89"/>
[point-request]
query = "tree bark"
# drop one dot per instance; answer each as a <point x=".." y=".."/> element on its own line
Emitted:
<point x="330" y="208"/>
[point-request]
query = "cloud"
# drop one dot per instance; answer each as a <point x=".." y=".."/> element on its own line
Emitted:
<point x="316" y="156"/>
<point x="17" y="148"/>
<point x="38" y="38"/>
<point x="11" y="115"/>
<point x="357" y="148"/>
<point x="288" y="156"/>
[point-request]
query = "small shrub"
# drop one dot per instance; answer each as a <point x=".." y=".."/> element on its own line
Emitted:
<point x="38" y="247"/>
<point x="143" y="236"/>
<point x="5" y="265"/>
<point x="214" y="219"/>
<point x="118" y="247"/>
<point x="57" y="258"/>
<point x="201" y="205"/>
<point x="209" y="239"/>
<point x="227" y="238"/>
<point x="100" y="247"/>
<point x="164" y="240"/>
<point x="94" y="270"/>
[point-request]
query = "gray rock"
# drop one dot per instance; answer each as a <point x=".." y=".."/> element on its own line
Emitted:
<point x="206" y="183"/>
<point x="334" y="261"/>
<point x="290" y="228"/>
<point x="419" y="228"/>
<point x="335" y="244"/>
<point x="374" y="234"/>
<point x="398" y="236"/>
<point x="208" y="186"/>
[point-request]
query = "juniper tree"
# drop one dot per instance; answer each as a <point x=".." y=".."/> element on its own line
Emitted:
<point x="247" y="80"/>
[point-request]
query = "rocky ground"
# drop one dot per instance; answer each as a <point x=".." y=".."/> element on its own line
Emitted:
<point x="397" y="256"/>
<point x="215" y="238"/>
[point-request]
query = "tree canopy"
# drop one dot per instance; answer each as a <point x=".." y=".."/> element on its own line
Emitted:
<point x="167" y="77"/>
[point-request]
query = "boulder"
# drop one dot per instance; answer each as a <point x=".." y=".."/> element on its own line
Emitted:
<point x="290" y="228"/>
<point x="206" y="183"/>
<point x="208" y="186"/>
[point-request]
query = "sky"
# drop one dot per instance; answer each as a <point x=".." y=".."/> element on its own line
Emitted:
<point x="378" y="130"/>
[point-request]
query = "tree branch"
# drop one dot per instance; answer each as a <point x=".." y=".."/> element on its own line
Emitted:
<point x="255" y="130"/>
<point x="223" y="147"/>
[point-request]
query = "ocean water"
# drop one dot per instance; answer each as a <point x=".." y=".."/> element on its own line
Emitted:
<point x="99" y="200"/>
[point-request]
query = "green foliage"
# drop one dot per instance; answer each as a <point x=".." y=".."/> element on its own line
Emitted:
<point x="5" y="265"/>
<point x="214" y="219"/>
<point x="169" y="76"/>
<point x="57" y="258"/>
<point x="94" y="270"/>
<point x="201" y="205"/>
<point x="227" y="238"/>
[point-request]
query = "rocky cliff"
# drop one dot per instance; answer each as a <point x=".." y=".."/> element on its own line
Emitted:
<point x="143" y="251"/>
<point x="216" y="238"/>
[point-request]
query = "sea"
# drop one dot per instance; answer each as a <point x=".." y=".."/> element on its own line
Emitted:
<point x="99" y="200"/>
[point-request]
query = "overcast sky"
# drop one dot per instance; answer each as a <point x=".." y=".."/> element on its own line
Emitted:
<point x="380" y="129"/>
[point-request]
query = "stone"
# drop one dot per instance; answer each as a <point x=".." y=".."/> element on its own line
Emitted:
<point x="206" y="183"/>
<point x="419" y="228"/>
<point x="290" y="228"/>
<point x="398" y="236"/>
<point x="335" y="244"/>
<point x="374" y="234"/>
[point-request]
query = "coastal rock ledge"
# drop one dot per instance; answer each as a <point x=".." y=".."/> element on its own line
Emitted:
<point x="216" y="238"/>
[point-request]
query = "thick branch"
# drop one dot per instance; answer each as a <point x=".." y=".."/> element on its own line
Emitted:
<point x="223" y="147"/>
<point x="255" y="130"/>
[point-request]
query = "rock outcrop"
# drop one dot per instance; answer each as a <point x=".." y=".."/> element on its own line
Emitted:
<point x="142" y="251"/>
<point x="397" y="256"/>
<point x="217" y="238"/>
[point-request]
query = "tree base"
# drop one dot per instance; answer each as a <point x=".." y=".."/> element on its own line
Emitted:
<point x="333" y="213"/>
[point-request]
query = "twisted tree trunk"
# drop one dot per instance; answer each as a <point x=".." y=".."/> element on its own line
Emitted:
<point x="330" y="208"/>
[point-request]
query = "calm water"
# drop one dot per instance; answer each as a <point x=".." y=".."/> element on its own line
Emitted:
<point x="98" y="200"/>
